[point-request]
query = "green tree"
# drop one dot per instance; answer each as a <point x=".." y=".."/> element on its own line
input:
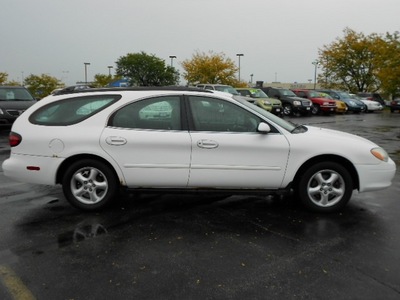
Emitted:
<point x="360" y="63"/>
<point x="146" y="70"/>
<point x="212" y="68"/>
<point x="3" y="78"/>
<point x="388" y="60"/>
<point x="348" y="63"/>
<point x="42" y="86"/>
<point x="102" y="80"/>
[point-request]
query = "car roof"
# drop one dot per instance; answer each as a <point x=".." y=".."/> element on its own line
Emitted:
<point x="12" y="87"/>
<point x="138" y="88"/>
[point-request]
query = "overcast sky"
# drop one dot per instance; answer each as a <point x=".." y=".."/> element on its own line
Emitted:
<point x="279" y="39"/>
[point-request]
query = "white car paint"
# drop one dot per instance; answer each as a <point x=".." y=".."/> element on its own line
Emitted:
<point x="144" y="158"/>
<point x="372" y="105"/>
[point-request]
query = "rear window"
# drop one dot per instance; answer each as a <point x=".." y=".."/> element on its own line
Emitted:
<point x="71" y="111"/>
<point x="15" y="94"/>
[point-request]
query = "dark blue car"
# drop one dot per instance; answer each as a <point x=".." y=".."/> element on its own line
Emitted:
<point x="353" y="105"/>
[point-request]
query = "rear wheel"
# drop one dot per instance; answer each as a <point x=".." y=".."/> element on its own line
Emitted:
<point x="89" y="184"/>
<point x="325" y="187"/>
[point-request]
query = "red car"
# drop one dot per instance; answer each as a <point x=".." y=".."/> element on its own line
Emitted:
<point x="320" y="104"/>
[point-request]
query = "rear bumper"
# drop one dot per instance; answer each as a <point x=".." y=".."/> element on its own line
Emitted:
<point x="43" y="169"/>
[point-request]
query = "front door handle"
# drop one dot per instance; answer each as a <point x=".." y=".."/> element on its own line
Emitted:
<point x="207" y="144"/>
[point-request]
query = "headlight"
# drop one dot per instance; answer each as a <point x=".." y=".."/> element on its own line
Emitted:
<point x="380" y="154"/>
<point x="266" y="102"/>
<point x="1" y="112"/>
<point x="325" y="104"/>
<point x="297" y="103"/>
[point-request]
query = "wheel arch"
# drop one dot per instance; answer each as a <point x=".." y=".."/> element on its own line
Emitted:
<point x="70" y="160"/>
<point x="328" y="158"/>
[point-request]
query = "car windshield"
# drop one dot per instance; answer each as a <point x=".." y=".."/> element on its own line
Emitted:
<point x="288" y="93"/>
<point x="257" y="93"/>
<point x="277" y="120"/>
<point x="325" y="95"/>
<point x="344" y="95"/>
<point x="15" y="94"/>
<point x="226" y="89"/>
<point x="356" y="97"/>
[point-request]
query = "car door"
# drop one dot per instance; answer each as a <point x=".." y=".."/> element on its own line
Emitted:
<point x="227" y="150"/>
<point x="146" y="139"/>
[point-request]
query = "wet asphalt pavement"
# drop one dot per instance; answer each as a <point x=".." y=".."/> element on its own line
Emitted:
<point x="162" y="246"/>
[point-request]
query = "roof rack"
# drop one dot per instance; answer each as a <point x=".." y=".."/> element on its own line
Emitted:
<point x="135" y="88"/>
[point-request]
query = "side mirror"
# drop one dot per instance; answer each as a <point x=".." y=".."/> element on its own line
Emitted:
<point x="263" y="128"/>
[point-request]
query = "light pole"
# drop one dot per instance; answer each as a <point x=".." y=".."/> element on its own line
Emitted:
<point x="172" y="60"/>
<point x="64" y="76"/>
<point x="315" y="63"/>
<point x="239" y="55"/>
<point x="251" y="79"/>
<point x="86" y="64"/>
<point x="109" y="70"/>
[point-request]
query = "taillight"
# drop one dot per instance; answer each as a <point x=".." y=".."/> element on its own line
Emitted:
<point x="14" y="139"/>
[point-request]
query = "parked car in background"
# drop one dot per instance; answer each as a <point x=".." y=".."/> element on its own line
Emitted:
<point x="290" y="102"/>
<point x="262" y="100"/>
<point x="371" y="105"/>
<point x="72" y="88"/>
<point x="96" y="141"/>
<point x="372" y="96"/>
<point x="14" y="100"/>
<point x="219" y="87"/>
<point x="320" y="104"/>
<point x="395" y="105"/>
<point x="341" y="107"/>
<point x="353" y="105"/>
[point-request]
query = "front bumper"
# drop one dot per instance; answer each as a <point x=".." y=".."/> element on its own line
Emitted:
<point x="376" y="177"/>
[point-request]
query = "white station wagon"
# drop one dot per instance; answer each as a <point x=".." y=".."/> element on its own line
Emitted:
<point x="97" y="141"/>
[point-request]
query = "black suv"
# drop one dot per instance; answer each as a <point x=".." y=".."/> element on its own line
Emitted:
<point x="14" y="100"/>
<point x="290" y="102"/>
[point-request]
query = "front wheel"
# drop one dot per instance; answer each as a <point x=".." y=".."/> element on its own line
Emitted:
<point x="89" y="184"/>
<point x="315" y="109"/>
<point x="287" y="110"/>
<point x="325" y="187"/>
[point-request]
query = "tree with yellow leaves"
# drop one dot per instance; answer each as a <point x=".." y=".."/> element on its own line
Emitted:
<point x="360" y="63"/>
<point x="213" y="68"/>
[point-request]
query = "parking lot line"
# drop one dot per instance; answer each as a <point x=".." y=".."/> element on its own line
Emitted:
<point x="14" y="285"/>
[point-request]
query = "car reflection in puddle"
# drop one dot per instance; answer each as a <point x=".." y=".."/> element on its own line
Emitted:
<point x="82" y="232"/>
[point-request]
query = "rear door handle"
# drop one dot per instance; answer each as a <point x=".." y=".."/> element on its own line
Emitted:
<point x="116" y="141"/>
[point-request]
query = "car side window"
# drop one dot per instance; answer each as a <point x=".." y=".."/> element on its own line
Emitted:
<point x="244" y="93"/>
<point x="71" y="111"/>
<point x="273" y="94"/>
<point x="211" y="114"/>
<point x="160" y="113"/>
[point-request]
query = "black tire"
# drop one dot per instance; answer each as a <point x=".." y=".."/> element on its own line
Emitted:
<point x="325" y="187"/>
<point x="315" y="110"/>
<point x="89" y="185"/>
<point x="287" y="110"/>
